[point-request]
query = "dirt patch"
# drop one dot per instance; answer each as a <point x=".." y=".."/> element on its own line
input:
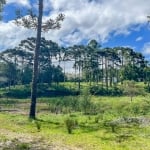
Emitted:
<point x="17" y="141"/>
<point x="141" y="121"/>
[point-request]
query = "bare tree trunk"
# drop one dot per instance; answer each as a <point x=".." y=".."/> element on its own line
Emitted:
<point x="64" y="72"/>
<point x="35" y="66"/>
<point x="102" y="72"/>
<point x="106" y="73"/>
<point x="79" y="82"/>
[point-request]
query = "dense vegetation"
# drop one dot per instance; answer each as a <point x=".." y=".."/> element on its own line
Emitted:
<point x="80" y="122"/>
<point x="94" y="65"/>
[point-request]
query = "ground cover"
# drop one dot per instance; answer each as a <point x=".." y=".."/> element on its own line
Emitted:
<point x="104" y="129"/>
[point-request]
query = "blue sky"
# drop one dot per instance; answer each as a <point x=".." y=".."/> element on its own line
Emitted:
<point x="135" y="40"/>
<point x="111" y="22"/>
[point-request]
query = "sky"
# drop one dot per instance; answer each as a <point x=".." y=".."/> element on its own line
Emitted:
<point x="111" y="22"/>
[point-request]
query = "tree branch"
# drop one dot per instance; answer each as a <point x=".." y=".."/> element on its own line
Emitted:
<point x="30" y="21"/>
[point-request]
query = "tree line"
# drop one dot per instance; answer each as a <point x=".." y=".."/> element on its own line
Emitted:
<point x="92" y="64"/>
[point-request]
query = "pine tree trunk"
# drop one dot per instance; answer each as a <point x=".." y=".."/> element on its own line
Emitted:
<point x="79" y="85"/>
<point x="35" y="66"/>
<point x="102" y="72"/>
<point x="106" y="73"/>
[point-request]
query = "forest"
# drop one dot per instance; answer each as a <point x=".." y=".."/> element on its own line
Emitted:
<point x="71" y="97"/>
<point x="92" y="64"/>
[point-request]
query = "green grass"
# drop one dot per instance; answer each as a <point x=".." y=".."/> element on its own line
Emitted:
<point x="91" y="133"/>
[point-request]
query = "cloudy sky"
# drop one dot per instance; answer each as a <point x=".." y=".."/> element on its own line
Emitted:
<point x="110" y="22"/>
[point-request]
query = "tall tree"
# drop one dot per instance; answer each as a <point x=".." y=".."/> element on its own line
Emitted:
<point x="35" y="22"/>
<point x="35" y="65"/>
<point x="77" y="54"/>
<point x="91" y="64"/>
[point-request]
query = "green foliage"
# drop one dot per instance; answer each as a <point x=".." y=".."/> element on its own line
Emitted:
<point x="94" y="65"/>
<point x="86" y="101"/>
<point x="99" y="90"/>
<point x="130" y="72"/>
<point x="22" y="146"/>
<point x="63" y="91"/>
<point x="44" y="90"/>
<point x="26" y="75"/>
<point x="8" y="73"/>
<point x="38" y="125"/>
<point x="97" y="119"/>
<point x="130" y="89"/>
<point x="18" y="93"/>
<point x="147" y="88"/>
<point x="64" y="105"/>
<point x="51" y="74"/>
<point x="147" y="78"/>
<point x="70" y="124"/>
<point x="118" y="122"/>
<point x="54" y="90"/>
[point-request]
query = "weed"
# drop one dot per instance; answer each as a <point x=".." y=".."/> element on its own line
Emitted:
<point x="22" y="146"/>
<point x="38" y="125"/>
<point x="70" y="124"/>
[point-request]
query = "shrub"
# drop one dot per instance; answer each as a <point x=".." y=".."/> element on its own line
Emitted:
<point x="38" y="126"/>
<point x="86" y="102"/>
<point x="59" y="91"/>
<point x="18" y="93"/>
<point x="70" y="124"/>
<point x="22" y="146"/>
<point x="99" y="90"/>
<point x="115" y="91"/>
<point x="97" y="119"/>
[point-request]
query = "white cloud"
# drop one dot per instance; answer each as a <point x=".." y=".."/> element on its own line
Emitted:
<point x="84" y="20"/>
<point x="140" y="38"/>
<point x="20" y="2"/>
<point x="146" y="48"/>
<point x="11" y="35"/>
<point x="97" y="19"/>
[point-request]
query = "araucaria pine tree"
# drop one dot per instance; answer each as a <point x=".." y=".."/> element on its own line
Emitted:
<point x="33" y="21"/>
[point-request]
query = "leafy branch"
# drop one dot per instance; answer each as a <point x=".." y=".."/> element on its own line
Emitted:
<point x="30" y="21"/>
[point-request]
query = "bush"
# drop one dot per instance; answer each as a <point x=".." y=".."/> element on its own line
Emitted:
<point x="57" y="90"/>
<point x="64" y="104"/>
<point x="147" y="89"/>
<point x="22" y="146"/>
<point x="42" y="90"/>
<point x="86" y="102"/>
<point x="18" y="93"/>
<point x="99" y="90"/>
<point x="115" y="91"/>
<point x="70" y="124"/>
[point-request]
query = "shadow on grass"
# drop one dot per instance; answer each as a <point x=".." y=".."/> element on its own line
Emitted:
<point x="89" y="128"/>
<point x="48" y="121"/>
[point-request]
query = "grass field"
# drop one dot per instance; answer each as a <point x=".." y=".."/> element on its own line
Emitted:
<point x="101" y="131"/>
